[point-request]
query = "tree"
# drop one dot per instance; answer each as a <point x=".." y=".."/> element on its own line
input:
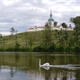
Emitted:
<point x="64" y="25"/>
<point x="28" y="40"/>
<point x="0" y="35"/>
<point x="76" y="20"/>
<point x="1" y="41"/>
<point x="55" y="23"/>
<point x="62" y="40"/>
<point x="76" y="34"/>
<point x="17" y="45"/>
<point x="12" y="31"/>
<point x="47" y="42"/>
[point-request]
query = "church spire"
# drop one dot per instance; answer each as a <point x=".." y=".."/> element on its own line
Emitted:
<point x="51" y="20"/>
<point x="50" y="13"/>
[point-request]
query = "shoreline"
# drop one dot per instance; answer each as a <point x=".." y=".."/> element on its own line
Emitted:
<point x="47" y="53"/>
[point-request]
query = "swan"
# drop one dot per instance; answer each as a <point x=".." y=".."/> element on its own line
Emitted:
<point x="44" y="65"/>
<point x="47" y="66"/>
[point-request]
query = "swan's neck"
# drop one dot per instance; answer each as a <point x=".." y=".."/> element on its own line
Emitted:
<point x="39" y="62"/>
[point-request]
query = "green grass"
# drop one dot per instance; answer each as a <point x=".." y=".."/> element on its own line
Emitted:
<point x="26" y="40"/>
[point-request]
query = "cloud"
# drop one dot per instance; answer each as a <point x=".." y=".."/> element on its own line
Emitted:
<point x="10" y="2"/>
<point x="25" y="13"/>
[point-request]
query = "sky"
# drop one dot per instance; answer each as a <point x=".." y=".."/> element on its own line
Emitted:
<point x="22" y="14"/>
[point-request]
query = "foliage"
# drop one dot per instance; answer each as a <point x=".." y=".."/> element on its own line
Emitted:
<point x="12" y="30"/>
<point x="47" y="39"/>
<point x="64" y="25"/>
<point x="76" y="34"/>
<point x="55" y="23"/>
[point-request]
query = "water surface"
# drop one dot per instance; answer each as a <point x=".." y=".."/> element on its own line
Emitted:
<point x="25" y="66"/>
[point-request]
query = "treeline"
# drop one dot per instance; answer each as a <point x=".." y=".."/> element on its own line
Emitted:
<point x="44" y="41"/>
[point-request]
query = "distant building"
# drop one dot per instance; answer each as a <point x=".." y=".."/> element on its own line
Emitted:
<point x="51" y="20"/>
<point x="51" y="24"/>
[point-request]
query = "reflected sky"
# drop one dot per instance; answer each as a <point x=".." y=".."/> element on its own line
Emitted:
<point x="25" y="67"/>
<point x="9" y="73"/>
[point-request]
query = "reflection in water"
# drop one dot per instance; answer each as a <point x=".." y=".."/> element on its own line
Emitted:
<point x="69" y="67"/>
<point x="25" y="67"/>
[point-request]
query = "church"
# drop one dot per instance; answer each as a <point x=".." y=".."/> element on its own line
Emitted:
<point x="51" y="20"/>
<point x="51" y="24"/>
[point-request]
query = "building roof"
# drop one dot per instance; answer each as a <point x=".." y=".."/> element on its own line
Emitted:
<point x="50" y="19"/>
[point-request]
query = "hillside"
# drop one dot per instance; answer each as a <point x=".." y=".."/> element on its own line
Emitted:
<point x="26" y="40"/>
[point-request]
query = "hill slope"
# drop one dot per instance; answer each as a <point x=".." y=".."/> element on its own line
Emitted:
<point x="26" y="40"/>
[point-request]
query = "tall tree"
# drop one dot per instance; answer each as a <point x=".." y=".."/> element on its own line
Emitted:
<point x="12" y="30"/>
<point x="17" y="45"/>
<point x="47" y="36"/>
<point x="1" y="41"/>
<point x="62" y="40"/>
<point x="76" y="21"/>
<point x="64" y="25"/>
<point x="55" y="23"/>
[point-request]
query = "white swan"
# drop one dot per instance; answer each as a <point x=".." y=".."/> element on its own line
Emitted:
<point x="47" y="66"/>
<point x="44" y="65"/>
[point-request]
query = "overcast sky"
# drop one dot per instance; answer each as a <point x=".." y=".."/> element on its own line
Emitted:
<point x="22" y="14"/>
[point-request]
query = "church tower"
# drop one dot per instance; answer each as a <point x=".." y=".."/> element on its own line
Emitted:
<point x="51" y="13"/>
<point x="51" y="20"/>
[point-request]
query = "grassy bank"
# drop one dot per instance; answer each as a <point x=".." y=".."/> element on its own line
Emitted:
<point x="32" y="42"/>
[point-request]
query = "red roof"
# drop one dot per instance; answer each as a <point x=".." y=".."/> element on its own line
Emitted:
<point x="70" y="26"/>
<point x="30" y="28"/>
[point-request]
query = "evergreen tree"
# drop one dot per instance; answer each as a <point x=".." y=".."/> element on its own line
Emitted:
<point x="76" y="34"/>
<point x="64" y="25"/>
<point x="55" y="23"/>
<point x="12" y="30"/>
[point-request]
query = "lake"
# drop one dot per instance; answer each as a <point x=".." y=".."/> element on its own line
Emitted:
<point x="25" y="66"/>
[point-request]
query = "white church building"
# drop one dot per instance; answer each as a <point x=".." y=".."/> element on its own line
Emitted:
<point x="51" y="24"/>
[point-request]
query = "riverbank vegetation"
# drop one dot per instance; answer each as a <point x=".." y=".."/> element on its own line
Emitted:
<point x="43" y="41"/>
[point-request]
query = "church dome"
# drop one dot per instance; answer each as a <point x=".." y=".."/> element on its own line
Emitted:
<point x="50" y="19"/>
